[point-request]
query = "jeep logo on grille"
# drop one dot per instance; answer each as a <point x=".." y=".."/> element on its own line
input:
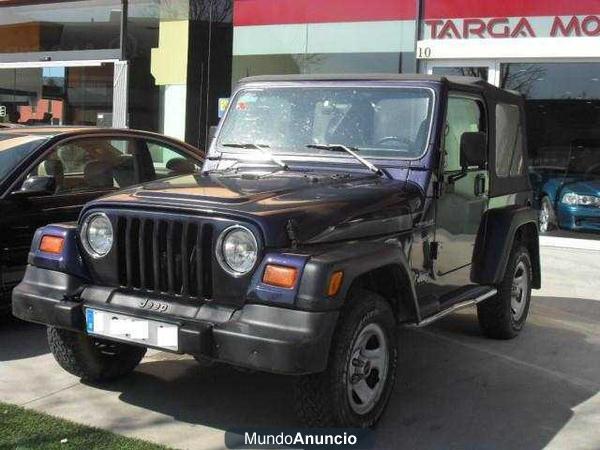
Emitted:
<point x="154" y="305"/>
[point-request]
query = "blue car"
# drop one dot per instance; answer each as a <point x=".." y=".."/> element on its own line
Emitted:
<point x="569" y="199"/>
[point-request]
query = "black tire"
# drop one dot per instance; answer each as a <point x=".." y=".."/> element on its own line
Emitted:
<point x="322" y="400"/>
<point x="90" y="358"/>
<point x="547" y="216"/>
<point x="497" y="316"/>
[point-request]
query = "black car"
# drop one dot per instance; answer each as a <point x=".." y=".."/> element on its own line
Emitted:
<point x="330" y="211"/>
<point x="48" y="174"/>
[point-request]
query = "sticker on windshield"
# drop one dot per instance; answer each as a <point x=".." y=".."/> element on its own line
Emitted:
<point x="245" y="102"/>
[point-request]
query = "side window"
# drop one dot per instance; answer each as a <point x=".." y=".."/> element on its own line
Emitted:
<point x="464" y="115"/>
<point x="169" y="161"/>
<point x="89" y="164"/>
<point x="509" y="141"/>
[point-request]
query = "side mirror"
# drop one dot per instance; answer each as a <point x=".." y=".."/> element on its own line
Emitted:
<point x="473" y="150"/>
<point x="36" y="186"/>
<point x="181" y="166"/>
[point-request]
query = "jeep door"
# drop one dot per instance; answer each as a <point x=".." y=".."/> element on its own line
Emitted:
<point x="464" y="193"/>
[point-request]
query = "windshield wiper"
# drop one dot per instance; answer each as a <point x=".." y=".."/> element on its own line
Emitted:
<point x="353" y="152"/>
<point x="264" y="148"/>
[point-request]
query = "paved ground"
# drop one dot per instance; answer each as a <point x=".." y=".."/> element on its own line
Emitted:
<point x="456" y="389"/>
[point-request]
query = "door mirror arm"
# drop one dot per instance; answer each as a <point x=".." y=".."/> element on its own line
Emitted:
<point x="455" y="176"/>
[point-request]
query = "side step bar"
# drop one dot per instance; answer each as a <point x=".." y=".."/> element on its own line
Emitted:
<point x="471" y="302"/>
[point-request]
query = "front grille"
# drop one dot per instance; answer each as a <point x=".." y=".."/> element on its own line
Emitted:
<point x="165" y="256"/>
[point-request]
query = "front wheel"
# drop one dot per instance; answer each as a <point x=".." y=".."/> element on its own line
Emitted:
<point x="355" y="388"/>
<point x="503" y="316"/>
<point x="90" y="358"/>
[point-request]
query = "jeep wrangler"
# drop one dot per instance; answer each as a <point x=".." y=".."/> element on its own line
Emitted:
<point x="331" y="210"/>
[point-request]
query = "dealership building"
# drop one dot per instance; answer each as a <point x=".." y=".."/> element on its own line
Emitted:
<point x="164" y="65"/>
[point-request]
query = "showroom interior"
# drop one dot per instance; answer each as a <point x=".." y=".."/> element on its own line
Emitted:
<point x="163" y="65"/>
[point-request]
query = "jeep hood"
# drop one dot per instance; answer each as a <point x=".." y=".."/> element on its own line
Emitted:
<point x="307" y="207"/>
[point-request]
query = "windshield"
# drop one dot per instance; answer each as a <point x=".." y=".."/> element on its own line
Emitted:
<point x="14" y="149"/>
<point x="380" y="122"/>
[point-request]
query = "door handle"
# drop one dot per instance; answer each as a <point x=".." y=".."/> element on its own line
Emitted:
<point x="479" y="185"/>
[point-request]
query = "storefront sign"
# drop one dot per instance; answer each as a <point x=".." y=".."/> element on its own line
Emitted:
<point x="513" y="27"/>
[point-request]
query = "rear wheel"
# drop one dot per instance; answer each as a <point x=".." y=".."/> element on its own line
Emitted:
<point x="355" y="388"/>
<point x="504" y="315"/>
<point x="547" y="217"/>
<point x="90" y="358"/>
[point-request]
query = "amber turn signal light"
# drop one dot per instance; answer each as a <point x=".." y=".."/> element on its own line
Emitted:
<point x="52" y="244"/>
<point x="335" y="283"/>
<point x="280" y="276"/>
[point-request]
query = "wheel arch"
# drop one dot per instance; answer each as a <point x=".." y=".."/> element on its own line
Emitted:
<point x="378" y="266"/>
<point x="527" y="234"/>
<point x="398" y="293"/>
<point x="500" y="228"/>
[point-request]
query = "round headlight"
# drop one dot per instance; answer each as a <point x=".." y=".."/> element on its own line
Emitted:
<point x="97" y="235"/>
<point x="237" y="250"/>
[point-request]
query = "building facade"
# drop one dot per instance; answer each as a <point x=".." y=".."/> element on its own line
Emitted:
<point x="164" y="65"/>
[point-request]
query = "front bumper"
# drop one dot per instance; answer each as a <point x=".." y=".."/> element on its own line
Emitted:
<point x="267" y="338"/>
<point x="579" y="218"/>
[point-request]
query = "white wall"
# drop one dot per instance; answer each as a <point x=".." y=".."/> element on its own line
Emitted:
<point x="173" y="110"/>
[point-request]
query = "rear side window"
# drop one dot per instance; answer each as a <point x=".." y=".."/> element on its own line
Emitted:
<point x="509" y="141"/>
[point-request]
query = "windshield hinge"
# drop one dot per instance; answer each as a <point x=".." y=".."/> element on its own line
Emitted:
<point x="438" y="188"/>
<point x="292" y="232"/>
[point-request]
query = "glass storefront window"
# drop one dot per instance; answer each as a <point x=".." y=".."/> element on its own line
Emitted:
<point x="180" y="65"/>
<point x="478" y="72"/>
<point x="57" y="95"/>
<point x="83" y="25"/>
<point x="248" y="65"/>
<point x="563" y="130"/>
<point x="157" y="48"/>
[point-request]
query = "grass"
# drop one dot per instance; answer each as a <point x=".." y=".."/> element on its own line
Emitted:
<point x="25" y="429"/>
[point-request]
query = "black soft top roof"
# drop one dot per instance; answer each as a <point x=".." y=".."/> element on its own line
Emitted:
<point x="457" y="82"/>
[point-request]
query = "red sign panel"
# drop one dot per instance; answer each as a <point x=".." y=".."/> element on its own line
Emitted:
<point x="271" y="12"/>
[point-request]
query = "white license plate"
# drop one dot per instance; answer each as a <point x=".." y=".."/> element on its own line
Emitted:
<point x="147" y="332"/>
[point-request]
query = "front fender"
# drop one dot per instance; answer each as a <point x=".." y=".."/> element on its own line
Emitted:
<point x="353" y="259"/>
<point x="68" y="261"/>
<point x="551" y="189"/>
<point x="495" y="240"/>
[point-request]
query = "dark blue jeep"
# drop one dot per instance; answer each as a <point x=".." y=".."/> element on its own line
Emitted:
<point x="330" y="211"/>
